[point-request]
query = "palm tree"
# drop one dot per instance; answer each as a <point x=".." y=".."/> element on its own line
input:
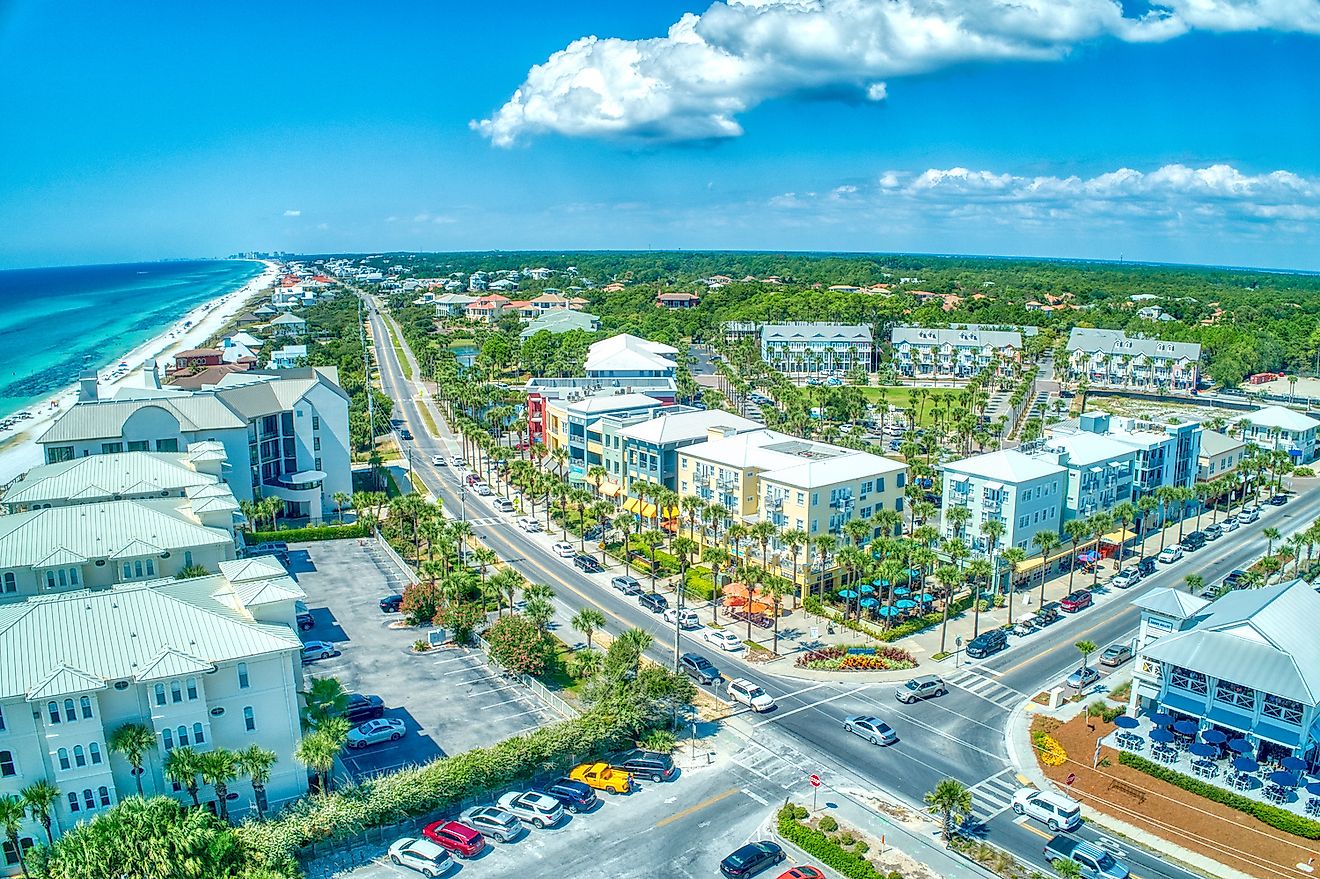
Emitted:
<point x="255" y="762"/>
<point x="951" y="801"/>
<point x="1044" y="541"/>
<point x="776" y="588"/>
<point x="133" y="741"/>
<point x="1099" y="525"/>
<point x="40" y="798"/>
<point x="717" y="557"/>
<point x="1194" y="582"/>
<point x="1124" y="514"/>
<point x="1164" y="495"/>
<point x="1271" y="534"/>
<point x="1075" y="529"/>
<point x="794" y="540"/>
<point x="318" y="749"/>
<point x="625" y="522"/>
<point x="182" y="766"/>
<point x="949" y="577"/>
<point x="218" y="767"/>
<point x="1086" y="648"/>
<point x="978" y="571"/>
<point x="652" y="539"/>
<point x="824" y="545"/>
<point x="341" y="500"/>
<point x="1146" y="505"/>
<point x="588" y="621"/>
<point x="1014" y="555"/>
<point x="326" y="698"/>
<point x="12" y="814"/>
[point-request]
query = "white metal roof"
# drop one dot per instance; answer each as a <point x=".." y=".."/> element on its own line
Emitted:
<point x="1006" y="465"/>
<point x="666" y="428"/>
<point x="105" y="477"/>
<point x="1118" y="342"/>
<point x="806" y="331"/>
<point x="1281" y="417"/>
<point x="959" y="337"/>
<point x="625" y="352"/>
<point x="791" y="460"/>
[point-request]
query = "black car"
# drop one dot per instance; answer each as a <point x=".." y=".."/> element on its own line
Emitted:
<point x="404" y="433"/>
<point x="645" y="764"/>
<point x="587" y="564"/>
<point x="653" y="601"/>
<point x="391" y="603"/>
<point x="987" y="643"/>
<point x="1048" y="613"/>
<point x="751" y="859"/>
<point x="1193" y="541"/>
<point x="1146" y="566"/>
<point x="1277" y="500"/>
<point x="362" y="708"/>
<point x="305" y="619"/>
<point x="574" y="795"/>
<point x="698" y="668"/>
<point x="1234" y="578"/>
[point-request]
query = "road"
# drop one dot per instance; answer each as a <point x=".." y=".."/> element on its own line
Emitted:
<point x="961" y="735"/>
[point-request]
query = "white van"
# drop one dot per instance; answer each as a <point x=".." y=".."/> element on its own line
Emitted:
<point x="1054" y="810"/>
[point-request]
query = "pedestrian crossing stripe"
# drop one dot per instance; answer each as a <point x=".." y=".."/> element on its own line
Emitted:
<point x="990" y="690"/>
<point x="994" y="795"/>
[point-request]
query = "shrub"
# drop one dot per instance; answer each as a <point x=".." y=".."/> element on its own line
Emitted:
<point x="860" y="847"/>
<point x="421" y="645"/>
<point x="421" y="603"/>
<point x="519" y="645"/>
<point x="1303" y="472"/>
<point x="661" y="740"/>
<point x="828" y="824"/>
<point x="461" y="618"/>
<point x="856" y="657"/>
<point x="1049" y="750"/>
<point x="308" y="534"/>
<point x="822" y="848"/>
<point x="1280" y="819"/>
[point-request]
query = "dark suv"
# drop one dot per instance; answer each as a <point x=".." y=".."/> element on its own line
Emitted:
<point x="698" y="668"/>
<point x="645" y="764"/>
<point x="1146" y="566"/>
<point x="654" y="602"/>
<point x="987" y="643"/>
<point x="1193" y="541"/>
<point x="360" y="708"/>
<point x="587" y="564"/>
<point x="574" y="795"/>
<point x="304" y="616"/>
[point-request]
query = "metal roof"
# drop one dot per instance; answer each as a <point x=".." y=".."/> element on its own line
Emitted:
<point x="1118" y="342"/>
<point x="104" y="419"/>
<point x="666" y="428"/>
<point x="958" y="338"/>
<point x="106" y="477"/>
<point x="814" y="332"/>
<point x="1281" y="417"/>
<point x="1006" y="465"/>
<point x="1170" y="602"/>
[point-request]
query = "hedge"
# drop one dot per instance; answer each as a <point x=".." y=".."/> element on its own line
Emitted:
<point x="1280" y="819"/>
<point x="821" y="847"/>
<point x="310" y="533"/>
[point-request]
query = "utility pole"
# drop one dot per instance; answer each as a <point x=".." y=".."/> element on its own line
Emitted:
<point x="678" y="617"/>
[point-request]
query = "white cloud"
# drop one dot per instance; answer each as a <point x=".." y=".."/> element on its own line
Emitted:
<point x="692" y="83"/>
<point x="292" y="213"/>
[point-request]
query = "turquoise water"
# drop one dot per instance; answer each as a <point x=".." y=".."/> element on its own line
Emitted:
<point x="56" y="322"/>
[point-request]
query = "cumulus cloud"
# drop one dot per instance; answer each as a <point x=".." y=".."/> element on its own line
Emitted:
<point x="292" y="213"/>
<point x="692" y="83"/>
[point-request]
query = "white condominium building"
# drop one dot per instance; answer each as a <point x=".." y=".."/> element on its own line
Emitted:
<point x="919" y="352"/>
<point x="120" y="476"/>
<point x="1281" y="428"/>
<point x="1112" y="359"/>
<point x="816" y="348"/>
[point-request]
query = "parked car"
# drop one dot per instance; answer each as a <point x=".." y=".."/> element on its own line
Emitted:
<point x="925" y="687"/>
<point x="1048" y="614"/>
<point x="1170" y="554"/>
<point x="687" y="619"/>
<point x="391" y="603"/>
<point x="456" y="838"/>
<point x="1277" y="500"/>
<point x="1146" y="566"/>
<point x="1075" y="601"/>
<point x="804" y="872"/>
<point x="1234" y="578"/>
<point x="504" y="505"/>
<point x="493" y="823"/>
<point x="564" y="549"/>
<point x="457" y="461"/>
<point x="1192" y="541"/>
<point x="987" y="643"/>
<point x="422" y="855"/>
<point x="533" y="807"/>
<point x="304" y="616"/>
<point x="1213" y="532"/>
<point x="1093" y="861"/>
<point x="602" y="776"/>
<point x="528" y="524"/>
<point x="1116" y="654"/>
<point x="723" y="639"/>
<point x="574" y="796"/>
<point x="1125" y="579"/>
<point x="405" y="433"/>
<point x="647" y="764"/>
<point x="1230" y="525"/>
<point x="373" y="732"/>
<point x="472" y="479"/>
<point x="1248" y="515"/>
<point x="1083" y="678"/>
<point x="752" y="858"/>
<point x="626" y="585"/>
<point x="653" y="601"/>
<point x="1025" y="626"/>
<point x="699" y="668"/>
<point x="360" y="708"/>
<point x="314" y="650"/>
<point x="747" y="693"/>
<point x="482" y="489"/>
<point x="1054" y="810"/>
<point x="587" y="564"/>
<point x="873" y="729"/>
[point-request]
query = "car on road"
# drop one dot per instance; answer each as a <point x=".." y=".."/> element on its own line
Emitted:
<point x="1054" y="810"/>
<point x="751" y="859"/>
<point x="653" y="601"/>
<point x="472" y="479"/>
<point x="1234" y="578"/>
<point x="314" y="650"/>
<point x="626" y="585"/>
<point x="1170" y="554"/>
<point x="1075" y="601"/>
<point x="360" y="708"/>
<point x="723" y="639"/>
<point x="482" y="490"/>
<point x="1093" y="862"/>
<point x="1248" y="515"/>
<point x="925" y="687"/>
<point x="493" y="823"/>
<point x="1083" y="678"/>
<point x="564" y="549"/>
<point x="504" y="505"/>
<point x="871" y="728"/>
<point x="575" y="796"/>
<point x="1230" y="525"/>
<point x="1213" y="532"/>
<point x="747" y="693"/>
<point x="804" y="872"/>
<point x="987" y="643"/>
<point x="422" y="855"/>
<point x="646" y="764"/>
<point x="456" y="838"/>
<point x="1125" y="579"/>
<point x="533" y="807"/>
<point x="699" y="668"/>
<point x="1193" y="541"/>
<point x="686" y="619"/>
<point x="528" y="524"/>
<point x="373" y="732"/>
<point x="1277" y="500"/>
<point x="602" y="776"/>
<point x="438" y="460"/>
<point x="391" y="603"/>
<point x="1115" y="655"/>
<point x="587" y="564"/>
<point x="457" y="461"/>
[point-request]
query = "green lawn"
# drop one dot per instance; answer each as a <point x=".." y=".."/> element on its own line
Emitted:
<point x="901" y="397"/>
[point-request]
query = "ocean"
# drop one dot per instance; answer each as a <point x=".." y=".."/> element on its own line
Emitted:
<point x="56" y="322"/>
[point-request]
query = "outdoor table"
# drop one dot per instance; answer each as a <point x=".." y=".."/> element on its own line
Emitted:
<point x="1165" y="754"/>
<point x="1130" y="741"/>
<point x="1275" y="794"/>
<point x="1205" y="768"/>
<point x="1241" y="781"/>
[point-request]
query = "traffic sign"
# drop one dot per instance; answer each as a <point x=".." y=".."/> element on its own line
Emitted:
<point x="815" y="780"/>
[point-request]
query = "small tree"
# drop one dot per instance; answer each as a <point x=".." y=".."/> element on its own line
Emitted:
<point x="421" y="603"/>
<point x="518" y="644"/>
<point x="461" y="618"/>
<point x="951" y="802"/>
<point x="133" y="741"/>
<point x="1194" y="582"/>
<point x="1086" y="648"/>
<point x="588" y="621"/>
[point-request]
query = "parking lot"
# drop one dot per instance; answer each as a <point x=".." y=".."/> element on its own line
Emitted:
<point x="449" y="699"/>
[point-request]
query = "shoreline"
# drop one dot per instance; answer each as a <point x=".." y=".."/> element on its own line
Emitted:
<point x="18" y="449"/>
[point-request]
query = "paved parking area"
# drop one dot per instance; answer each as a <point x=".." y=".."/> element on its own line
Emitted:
<point x="450" y="699"/>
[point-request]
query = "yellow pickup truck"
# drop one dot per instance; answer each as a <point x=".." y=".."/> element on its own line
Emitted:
<point x="601" y="777"/>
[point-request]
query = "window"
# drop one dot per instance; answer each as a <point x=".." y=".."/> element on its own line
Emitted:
<point x="192" y="689"/>
<point x="176" y="692"/>
<point x="167" y="445"/>
<point x="111" y="448"/>
<point x="242" y="676"/>
<point x="88" y="800"/>
<point x="198" y="737"/>
<point x="160" y="694"/>
<point x="94" y="750"/>
<point x="73" y="802"/>
<point x="316" y="444"/>
<point x="63" y="756"/>
<point x="11" y="582"/>
<point x="182" y="733"/>
<point x="79" y="756"/>
<point x="316" y="422"/>
<point x="1235" y="694"/>
<point x="128" y="571"/>
<point x="1279" y="708"/>
<point x="168" y="738"/>
<point x="151" y="568"/>
<point x="2" y="720"/>
<point x="69" y="713"/>
<point x="139" y="445"/>
<point x="137" y="569"/>
<point x="187" y="558"/>
<point x="85" y="703"/>
<point x="50" y="579"/>
<point x="249" y="722"/>
<point x="103" y="794"/>
<point x="11" y="854"/>
<point x="7" y="767"/>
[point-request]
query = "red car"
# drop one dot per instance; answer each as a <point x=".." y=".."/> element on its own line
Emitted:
<point x="1076" y="601"/>
<point x="802" y="873"/>
<point x="455" y="837"/>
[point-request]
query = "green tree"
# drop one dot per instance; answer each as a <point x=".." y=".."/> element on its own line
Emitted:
<point x="182" y="766"/>
<point x="218" y="767"/>
<point x="325" y="698"/>
<point x="133" y="741"/>
<point x="1045" y="541"/>
<point x="1086" y="648"/>
<point x="40" y="798"/>
<point x="1076" y="530"/>
<point x="1066" y="868"/>
<point x="588" y="621"/>
<point x="1271" y="534"/>
<point x="319" y="749"/>
<point x="951" y="802"/>
<point x="518" y="644"/>
<point x="256" y="762"/>
<point x="1194" y="582"/>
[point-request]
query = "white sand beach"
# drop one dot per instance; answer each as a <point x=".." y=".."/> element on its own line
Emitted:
<point x="18" y="449"/>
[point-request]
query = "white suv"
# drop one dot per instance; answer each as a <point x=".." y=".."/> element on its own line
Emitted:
<point x="1055" y="811"/>
<point x="1171" y="554"/>
<point x="749" y="694"/>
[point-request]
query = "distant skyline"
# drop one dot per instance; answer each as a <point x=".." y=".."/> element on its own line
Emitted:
<point x="1184" y="132"/>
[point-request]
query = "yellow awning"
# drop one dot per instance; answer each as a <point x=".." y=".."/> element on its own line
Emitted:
<point x="610" y="489"/>
<point x="648" y="510"/>
<point x="632" y="504"/>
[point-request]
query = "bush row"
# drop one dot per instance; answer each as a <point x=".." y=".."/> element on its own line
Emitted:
<point x="1280" y="819"/>
<point x="826" y="850"/>
<point x="814" y="605"/>
<point x="311" y="532"/>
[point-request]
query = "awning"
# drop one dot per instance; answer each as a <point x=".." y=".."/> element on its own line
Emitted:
<point x="610" y="489"/>
<point x="1290" y="738"/>
<point x="632" y="505"/>
<point x="1185" y="704"/>
<point x="1225" y="717"/>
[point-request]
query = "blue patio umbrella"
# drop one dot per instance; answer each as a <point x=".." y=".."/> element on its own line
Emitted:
<point x="879" y="582"/>
<point x="887" y="612"/>
<point x="1245" y="764"/>
<point x="1160" y="734"/>
<point x="902" y="590"/>
<point x="868" y="602"/>
<point x="1159" y="718"/>
<point x="1185" y="727"/>
<point x="1214" y="737"/>
<point x="1313" y="788"/>
<point x="905" y="604"/>
<point x="1201" y="749"/>
<point x="1283" y="779"/>
<point x="1241" y="746"/>
<point x="866" y="589"/>
<point x="1126" y="721"/>
<point x="913" y="573"/>
<point x="925" y="596"/>
<point x="847" y="593"/>
<point x="1293" y="764"/>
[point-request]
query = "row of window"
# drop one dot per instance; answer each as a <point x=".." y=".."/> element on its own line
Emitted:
<point x="89" y="801"/>
<point x="136" y="570"/>
<point x="177" y="691"/>
<point x="64" y="577"/>
<point x="80" y="757"/>
<point x="71" y="711"/>
<point x="179" y="736"/>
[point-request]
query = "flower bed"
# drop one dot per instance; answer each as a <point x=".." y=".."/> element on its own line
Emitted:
<point x="857" y="658"/>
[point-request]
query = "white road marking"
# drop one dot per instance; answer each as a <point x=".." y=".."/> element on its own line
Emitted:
<point x="810" y="706"/>
<point x="756" y="797"/>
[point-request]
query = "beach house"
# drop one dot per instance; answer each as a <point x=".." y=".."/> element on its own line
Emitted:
<point x="119" y="476"/>
<point x="1281" y="428"/>
<point x="560" y="320"/>
<point x="812" y="349"/>
<point x="1112" y="359"/>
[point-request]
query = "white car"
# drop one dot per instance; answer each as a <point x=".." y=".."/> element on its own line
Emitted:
<point x="1125" y="579"/>
<point x="504" y="505"/>
<point x="1230" y="525"/>
<point x="747" y="693"/>
<point x="565" y="550"/>
<point x="533" y="807"/>
<point x="373" y="732"/>
<point x="438" y="460"/>
<point x="457" y="461"/>
<point x="482" y="489"/>
<point x="528" y="524"/>
<point x="1171" y="554"/>
<point x="723" y="639"/>
<point x="1248" y="515"/>
<point x="1054" y="810"/>
<point x="421" y="855"/>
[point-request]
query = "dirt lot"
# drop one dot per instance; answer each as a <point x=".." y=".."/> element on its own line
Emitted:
<point x="1225" y="834"/>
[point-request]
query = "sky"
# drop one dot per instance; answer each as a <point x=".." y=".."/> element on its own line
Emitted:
<point x="1184" y="132"/>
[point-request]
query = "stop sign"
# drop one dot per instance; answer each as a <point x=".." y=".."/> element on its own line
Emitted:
<point x="815" y="780"/>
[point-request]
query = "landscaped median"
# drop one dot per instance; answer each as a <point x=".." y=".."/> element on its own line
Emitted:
<point x="838" y="848"/>
<point x="856" y="657"/>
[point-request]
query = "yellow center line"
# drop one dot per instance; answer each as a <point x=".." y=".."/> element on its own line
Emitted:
<point x="1038" y="831"/>
<point x="1039" y="657"/>
<point x="697" y="808"/>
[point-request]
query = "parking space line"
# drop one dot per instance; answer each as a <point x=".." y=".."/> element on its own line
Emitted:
<point x="498" y="689"/>
<point x="498" y="704"/>
<point x="519" y="714"/>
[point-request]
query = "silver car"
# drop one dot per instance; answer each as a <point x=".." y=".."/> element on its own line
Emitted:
<point x="925" y="687"/>
<point x="493" y="822"/>
<point x="873" y="729"/>
<point x="373" y="732"/>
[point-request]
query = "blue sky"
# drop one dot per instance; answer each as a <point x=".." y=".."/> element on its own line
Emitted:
<point x="137" y="131"/>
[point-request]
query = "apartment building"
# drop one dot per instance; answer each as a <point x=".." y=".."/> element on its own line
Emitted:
<point x="1280" y="428"/>
<point x="284" y="432"/>
<point x="1101" y="471"/>
<point x="812" y="349"/>
<point x="1220" y="454"/>
<point x="576" y="427"/>
<point x="644" y="445"/>
<point x="627" y="357"/>
<point x="1024" y="492"/>
<point x="1167" y="453"/>
<point x="961" y="352"/>
<point x="1112" y="359"/>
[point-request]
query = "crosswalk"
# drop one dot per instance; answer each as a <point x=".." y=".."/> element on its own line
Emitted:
<point x="788" y="768"/>
<point x="993" y="796"/>
<point x="488" y="520"/>
<point x="986" y="688"/>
